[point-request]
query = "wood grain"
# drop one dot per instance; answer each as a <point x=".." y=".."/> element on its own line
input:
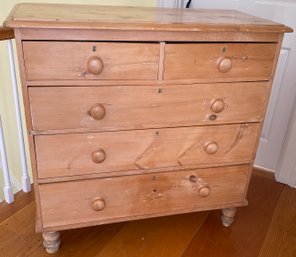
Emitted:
<point x="17" y="232"/>
<point x="88" y="82"/>
<point x="245" y="237"/>
<point x="6" y="33"/>
<point x="69" y="60"/>
<point x="161" y="237"/>
<point x="169" y="236"/>
<point x="137" y="18"/>
<point x="280" y="239"/>
<point x="58" y="108"/>
<point x="250" y="61"/>
<point x="72" y="154"/>
<point x="83" y="242"/>
<point x="18" y="38"/>
<point x="146" y="35"/>
<point x="140" y="196"/>
<point x="21" y="200"/>
<point x="22" y="69"/>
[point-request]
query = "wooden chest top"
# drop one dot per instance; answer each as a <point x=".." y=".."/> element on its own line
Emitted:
<point x="137" y="18"/>
<point x="141" y="112"/>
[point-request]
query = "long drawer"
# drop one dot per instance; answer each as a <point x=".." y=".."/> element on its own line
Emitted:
<point x="219" y="61"/>
<point x="84" y="202"/>
<point x="132" y="107"/>
<point x="90" y="60"/>
<point x="86" y="153"/>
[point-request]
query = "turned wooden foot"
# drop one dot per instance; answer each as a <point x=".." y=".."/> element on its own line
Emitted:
<point x="51" y="241"/>
<point x="228" y="216"/>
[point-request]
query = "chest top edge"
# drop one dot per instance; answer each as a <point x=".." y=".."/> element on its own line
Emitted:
<point x="75" y="16"/>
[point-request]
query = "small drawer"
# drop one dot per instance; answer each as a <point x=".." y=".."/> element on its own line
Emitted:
<point x="90" y="60"/>
<point x="87" y="202"/>
<point x="87" y="153"/>
<point x="138" y="107"/>
<point x="219" y="61"/>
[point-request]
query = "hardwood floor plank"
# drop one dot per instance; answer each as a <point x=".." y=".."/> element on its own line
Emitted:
<point x="18" y="235"/>
<point x="158" y="237"/>
<point x="21" y="200"/>
<point x="281" y="236"/>
<point x="19" y="231"/>
<point x="21" y="222"/>
<point x="86" y="242"/>
<point x="247" y="233"/>
<point x="264" y="173"/>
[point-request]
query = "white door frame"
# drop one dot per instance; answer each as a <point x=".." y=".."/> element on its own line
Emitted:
<point x="286" y="169"/>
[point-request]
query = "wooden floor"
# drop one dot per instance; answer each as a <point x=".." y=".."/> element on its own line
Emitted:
<point x="265" y="228"/>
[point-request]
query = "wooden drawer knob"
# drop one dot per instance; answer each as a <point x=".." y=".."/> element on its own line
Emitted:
<point x="224" y="64"/>
<point x="95" y="65"/>
<point x="217" y="105"/>
<point x="98" y="156"/>
<point x="98" y="204"/>
<point x="211" y="148"/>
<point x="204" y="190"/>
<point x="97" y="111"/>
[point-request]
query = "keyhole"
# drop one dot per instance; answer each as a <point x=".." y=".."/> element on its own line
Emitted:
<point x="213" y="117"/>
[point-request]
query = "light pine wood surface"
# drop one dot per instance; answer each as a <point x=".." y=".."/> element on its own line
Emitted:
<point x="219" y="61"/>
<point x="142" y="107"/>
<point x="140" y="196"/>
<point x="137" y="103"/>
<point x="71" y="60"/>
<point x="196" y="234"/>
<point x="73" y="154"/>
<point x="139" y="18"/>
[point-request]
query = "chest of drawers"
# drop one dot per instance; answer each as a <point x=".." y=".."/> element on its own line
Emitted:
<point x="141" y="112"/>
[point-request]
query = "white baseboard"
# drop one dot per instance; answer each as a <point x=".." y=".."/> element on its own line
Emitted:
<point x="15" y="183"/>
<point x="263" y="168"/>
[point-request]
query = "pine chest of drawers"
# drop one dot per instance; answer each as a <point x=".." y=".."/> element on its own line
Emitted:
<point x="141" y="112"/>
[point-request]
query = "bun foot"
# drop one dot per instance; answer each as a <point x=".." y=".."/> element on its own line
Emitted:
<point x="228" y="216"/>
<point x="51" y="241"/>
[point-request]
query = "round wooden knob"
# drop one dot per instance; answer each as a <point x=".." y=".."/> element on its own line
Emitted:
<point x="224" y="64"/>
<point x="98" y="156"/>
<point x="95" y="65"/>
<point x="217" y="105"/>
<point x="97" y="111"/>
<point x="204" y="191"/>
<point x="98" y="204"/>
<point x="211" y="148"/>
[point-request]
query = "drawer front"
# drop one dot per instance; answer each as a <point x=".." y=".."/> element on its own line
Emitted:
<point x="219" y="61"/>
<point x="78" y="154"/>
<point x="90" y="60"/>
<point x="110" y="199"/>
<point x="122" y="108"/>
